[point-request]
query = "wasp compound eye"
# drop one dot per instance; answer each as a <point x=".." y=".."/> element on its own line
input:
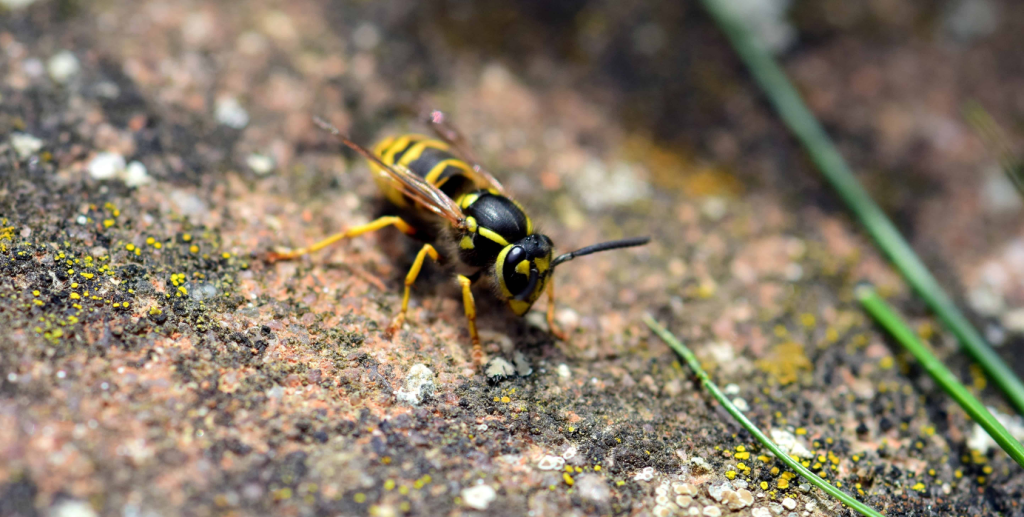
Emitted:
<point x="515" y="275"/>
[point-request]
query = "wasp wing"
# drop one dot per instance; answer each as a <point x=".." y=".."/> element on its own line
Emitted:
<point x="447" y="131"/>
<point x="408" y="183"/>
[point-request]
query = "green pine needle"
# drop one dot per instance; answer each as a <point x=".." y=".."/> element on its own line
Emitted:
<point x="887" y="318"/>
<point x="795" y="114"/>
<point x="706" y="382"/>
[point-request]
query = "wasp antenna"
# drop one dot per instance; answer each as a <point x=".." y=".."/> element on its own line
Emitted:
<point x="602" y="246"/>
<point x="325" y="125"/>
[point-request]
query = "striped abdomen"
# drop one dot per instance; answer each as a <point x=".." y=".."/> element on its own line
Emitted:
<point x="427" y="158"/>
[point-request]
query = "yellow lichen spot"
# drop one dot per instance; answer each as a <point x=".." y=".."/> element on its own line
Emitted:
<point x="138" y="251"/>
<point x="107" y="223"/>
<point x="389" y="484"/>
<point x="597" y="468"/>
<point x="731" y="474"/>
<point x="981" y="479"/>
<point x="740" y="448"/>
<point x="831" y="335"/>
<point x="75" y="296"/>
<point x="124" y="304"/>
<point x="785" y="362"/>
<point x="404" y="490"/>
<point x="807" y="319"/>
<point x="359" y="497"/>
<point x="36" y="292"/>
<point x="764" y="458"/>
<point x="38" y="302"/>
<point x="497" y="399"/>
<point x="822" y="474"/>
<point x="150" y="240"/>
<point x="918" y="486"/>
<point x="800" y="431"/>
<point x="186" y="237"/>
<point x="987" y="469"/>
<point x="886" y="363"/>
<point x="783" y="484"/>
<point x="87" y="276"/>
<point x="129" y="247"/>
<point x="157" y="245"/>
<point x="225" y="255"/>
<point x="505" y="400"/>
<point x="568" y="479"/>
<point x="742" y="455"/>
<point x="780" y="331"/>
<point x="764" y="485"/>
<point x="193" y="249"/>
<point x="74" y="285"/>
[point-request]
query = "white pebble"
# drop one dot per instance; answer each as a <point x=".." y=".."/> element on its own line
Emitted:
<point x="731" y="389"/>
<point x="63" y="66"/>
<point x="563" y="371"/>
<point x="550" y="462"/>
<point x="260" y="164"/>
<point x="741" y="404"/>
<point x="25" y="144"/>
<point x="761" y="512"/>
<point x="105" y="166"/>
<point x="789" y="503"/>
<point x="72" y="508"/>
<point x="478" y="497"/>
<point x="230" y="113"/>
<point x="136" y="174"/>
<point x="712" y="511"/>
<point x="82" y="219"/>
<point x="646" y="474"/>
<point x="16" y="4"/>
<point x="419" y="385"/>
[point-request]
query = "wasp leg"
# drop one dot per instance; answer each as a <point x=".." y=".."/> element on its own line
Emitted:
<point x="470" y="306"/>
<point x="372" y="226"/>
<point x="555" y="331"/>
<point x="410" y="278"/>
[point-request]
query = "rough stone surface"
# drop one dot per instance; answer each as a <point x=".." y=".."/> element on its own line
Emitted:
<point x="154" y="362"/>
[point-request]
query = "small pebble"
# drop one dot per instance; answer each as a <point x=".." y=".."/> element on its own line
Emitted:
<point x="499" y="368"/>
<point x="740" y="404"/>
<point x="731" y="389"/>
<point x="63" y="66"/>
<point x="684" y="489"/>
<point x="662" y="511"/>
<point x="136" y="174"/>
<point x="760" y="512"/>
<point x="25" y="144"/>
<point x="230" y="113"/>
<point x="646" y="474"/>
<point x="718" y="490"/>
<point x="684" y="500"/>
<point x="563" y="371"/>
<point x="550" y="462"/>
<point x="789" y="503"/>
<point x="72" y="508"/>
<point x="419" y="385"/>
<point x="739" y="499"/>
<point x="478" y="497"/>
<point x="712" y="511"/>
<point x="105" y="166"/>
<point x="16" y="4"/>
<point x="260" y="164"/>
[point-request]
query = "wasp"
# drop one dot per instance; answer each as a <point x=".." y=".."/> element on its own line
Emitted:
<point x="445" y="198"/>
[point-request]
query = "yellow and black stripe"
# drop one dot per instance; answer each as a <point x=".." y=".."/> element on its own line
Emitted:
<point x="427" y="158"/>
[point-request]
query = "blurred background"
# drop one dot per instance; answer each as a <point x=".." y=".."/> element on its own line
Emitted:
<point x="606" y="119"/>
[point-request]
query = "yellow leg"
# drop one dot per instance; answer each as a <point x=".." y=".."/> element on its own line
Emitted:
<point x="410" y="278"/>
<point x="551" y="310"/>
<point x="470" y="306"/>
<point x="351" y="232"/>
